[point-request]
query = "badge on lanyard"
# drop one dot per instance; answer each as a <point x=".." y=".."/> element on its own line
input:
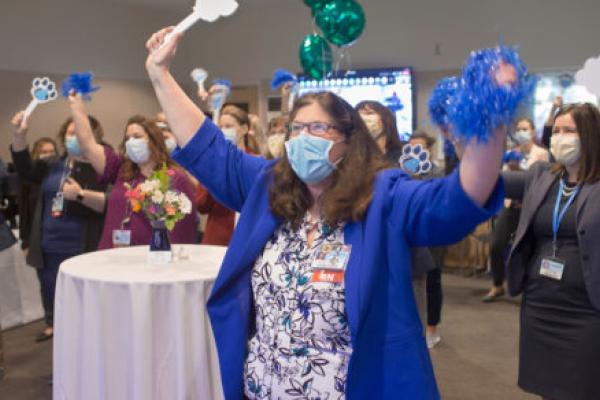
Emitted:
<point x="554" y="267"/>
<point x="58" y="204"/>
<point x="330" y="262"/>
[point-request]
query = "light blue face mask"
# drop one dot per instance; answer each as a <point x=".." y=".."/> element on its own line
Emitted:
<point x="72" y="146"/>
<point x="309" y="157"/>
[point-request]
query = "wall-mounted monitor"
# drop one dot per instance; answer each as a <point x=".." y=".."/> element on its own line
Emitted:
<point x="392" y="87"/>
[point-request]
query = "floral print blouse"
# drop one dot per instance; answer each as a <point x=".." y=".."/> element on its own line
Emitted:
<point x="302" y="345"/>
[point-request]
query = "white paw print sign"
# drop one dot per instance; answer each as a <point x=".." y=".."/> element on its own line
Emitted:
<point x="206" y="10"/>
<point x="415" y="160"/>
<point x="43" y="90"/>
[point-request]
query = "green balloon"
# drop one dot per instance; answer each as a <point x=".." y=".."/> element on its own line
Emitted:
<point x="315" y="56"/>
<point x="316" y="5"/>
<point x="341" y="21"/>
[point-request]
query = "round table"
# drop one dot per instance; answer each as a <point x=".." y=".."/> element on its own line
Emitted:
<point x="125" y="329"/>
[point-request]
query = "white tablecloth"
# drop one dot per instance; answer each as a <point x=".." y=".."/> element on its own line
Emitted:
<point x="20" y="300"/>
<point x="128" y="330"/>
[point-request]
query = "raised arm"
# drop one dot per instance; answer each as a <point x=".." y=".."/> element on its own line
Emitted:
<point x="183" y="115"/>
<point x="480" y="167"/>
<point x="20" y="128"/>
<point x="220" y="166"/>
<point x="90" y="149"/>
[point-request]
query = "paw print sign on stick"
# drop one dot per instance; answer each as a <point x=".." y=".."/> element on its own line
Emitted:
<point x="199" y="76"/>
<point x="43" y="90"/>
<point x="206" y="10"/>
<point x="415" y="160"/>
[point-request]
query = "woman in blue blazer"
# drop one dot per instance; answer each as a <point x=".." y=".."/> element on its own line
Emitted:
<point x="290" y="319"/>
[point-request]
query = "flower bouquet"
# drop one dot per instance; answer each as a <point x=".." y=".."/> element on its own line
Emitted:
<point x="162" y="206"/>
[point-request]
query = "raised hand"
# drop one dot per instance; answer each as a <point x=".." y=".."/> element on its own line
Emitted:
<point x="19" y="124"/>
<point x="76" y="103"/>
<point x="159" y="56"/>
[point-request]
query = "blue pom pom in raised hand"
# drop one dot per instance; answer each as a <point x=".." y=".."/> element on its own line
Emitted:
<point x="440" y="100"/>
<point x="281" y="76"/>
<point x="80" y="83"/>
<point x="493" y="85"/>
<point x="223" y="82"/>
<point x="515" y="156"/>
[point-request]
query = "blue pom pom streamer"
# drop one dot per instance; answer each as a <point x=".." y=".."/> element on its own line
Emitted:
<point x="80" y="83"/>
<point x="281" y="76"/>
<point x="509" y="156"/>
<point x="440" y="100"/>
<point x="481" y="105"/>
<point x="223" y="82"/>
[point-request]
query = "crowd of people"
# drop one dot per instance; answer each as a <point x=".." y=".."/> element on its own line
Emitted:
<point x="327" y="175"/>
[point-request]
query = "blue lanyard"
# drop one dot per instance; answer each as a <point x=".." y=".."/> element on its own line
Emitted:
<point x="560" y="214"/>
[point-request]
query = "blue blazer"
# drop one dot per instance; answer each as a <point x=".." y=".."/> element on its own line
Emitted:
<point x="390" y="359"/>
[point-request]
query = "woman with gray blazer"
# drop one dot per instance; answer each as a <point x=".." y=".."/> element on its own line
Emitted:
<point x="555" y="261"/>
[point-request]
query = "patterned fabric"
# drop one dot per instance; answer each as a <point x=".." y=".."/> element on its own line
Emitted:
<point x="302" y="346"/>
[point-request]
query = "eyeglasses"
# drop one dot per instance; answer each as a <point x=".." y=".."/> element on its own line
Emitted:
<point x="314" y="128"/>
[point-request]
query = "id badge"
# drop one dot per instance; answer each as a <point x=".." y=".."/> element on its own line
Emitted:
<point x="58" y="204"/>
<point x="121" y="237"/>
<point x="552" y="268"/>
<point x="330" y="263"/>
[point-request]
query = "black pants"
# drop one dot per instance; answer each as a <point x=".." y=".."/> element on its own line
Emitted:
<point x="47" y="277"/>
<point x="505" y="225"/>
<point x="434" y="287"/>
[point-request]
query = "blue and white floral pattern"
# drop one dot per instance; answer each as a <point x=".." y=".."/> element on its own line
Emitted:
<point x="302" y="345"/>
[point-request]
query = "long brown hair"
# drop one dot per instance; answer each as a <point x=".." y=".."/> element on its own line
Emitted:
<point x="156" y="145"/>
<point x="351" y="189"/>
<point x="248" y="142"/>
<point x="587" y="120"/>
<point x="393" y="144"/>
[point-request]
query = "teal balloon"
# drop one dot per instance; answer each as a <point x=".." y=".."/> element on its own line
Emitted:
<point x="316" y="5"/>
<point x="315" y="56"/>
<point x="341" y="21"/>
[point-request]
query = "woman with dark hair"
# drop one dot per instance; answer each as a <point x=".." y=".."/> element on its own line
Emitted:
<point x="43" y="149"/>
<point x="61" y="226"/>
<point x="506" y="222"/>
<point x="314" y="297"/>
<point x="555" y="261"/>
<point x="141" y="152"/>
<point x="381" y="125"/>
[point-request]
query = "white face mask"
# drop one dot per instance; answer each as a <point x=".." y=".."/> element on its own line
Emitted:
<point x="171" y="144"/>
<point x="373" y="124"/>
<point x="137" y="150"/>
<point x="230" y="134"/>
<point x="566" y="149"/>
<point x="522" y="136"/>
<point x="276" y="144"/>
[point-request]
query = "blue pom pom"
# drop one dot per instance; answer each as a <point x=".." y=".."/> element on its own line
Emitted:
<point x="514" y="155"/>
<point x="440" y="100"/>
<point x="281" y="76"/>
<point x="80" y="83"/>
<point x="481" y="104"/>
<point x="222" y="82"/>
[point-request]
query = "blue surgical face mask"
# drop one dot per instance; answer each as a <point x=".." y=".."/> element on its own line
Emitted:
<point x="171" y="145"/>
<point x="137" y="150"/>
<point x="72" y="146"/>
<point x="309" y="157"/>
<point x="230" y="134"/>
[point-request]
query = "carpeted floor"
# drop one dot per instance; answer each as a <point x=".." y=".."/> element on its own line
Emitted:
<point x="477" y="358"/>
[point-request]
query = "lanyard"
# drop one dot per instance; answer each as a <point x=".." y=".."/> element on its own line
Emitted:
<point x="560" y="214"/>
<point x="65" y="174"/>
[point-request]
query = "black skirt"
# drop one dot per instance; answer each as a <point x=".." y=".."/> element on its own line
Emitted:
<point x="560" y="330"/>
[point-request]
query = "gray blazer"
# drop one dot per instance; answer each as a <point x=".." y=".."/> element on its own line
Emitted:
<point x="532" y="187"/>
